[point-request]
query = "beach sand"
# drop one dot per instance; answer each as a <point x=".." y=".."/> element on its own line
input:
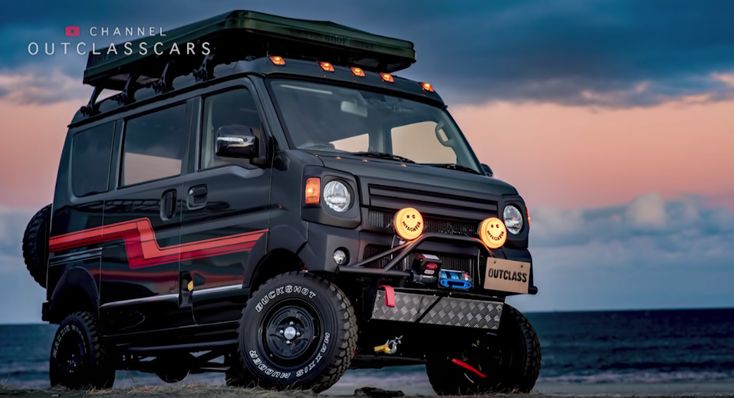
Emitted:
<point x="636" y="390"/>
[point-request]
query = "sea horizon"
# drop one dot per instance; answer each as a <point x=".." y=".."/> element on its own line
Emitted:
<point x="702" y="308"/>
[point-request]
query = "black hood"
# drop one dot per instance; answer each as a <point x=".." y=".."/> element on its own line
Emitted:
<point x="389" y="170"/>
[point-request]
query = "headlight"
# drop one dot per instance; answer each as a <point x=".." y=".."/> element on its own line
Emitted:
<point x="337" y="197"/>
<point x="513" y="219"/>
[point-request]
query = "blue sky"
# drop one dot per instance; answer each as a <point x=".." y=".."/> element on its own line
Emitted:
<point x="624" y="111"/>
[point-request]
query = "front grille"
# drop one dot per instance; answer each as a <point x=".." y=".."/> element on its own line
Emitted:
<point x="450" y="261"/>
<point x="383" y="220"/>
<point x="436" y="201"/>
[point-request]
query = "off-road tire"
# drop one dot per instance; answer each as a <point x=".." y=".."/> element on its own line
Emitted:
<point x="35" y="244"/>
<point x="77" y="335"/>
<point x="329" y="350"/>
<point x="516" y="373"/>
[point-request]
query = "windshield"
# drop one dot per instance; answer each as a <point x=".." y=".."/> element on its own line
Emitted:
<point x="338" y="119"/>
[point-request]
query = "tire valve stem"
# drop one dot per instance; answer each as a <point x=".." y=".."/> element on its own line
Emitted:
<point x="390" y="347"/>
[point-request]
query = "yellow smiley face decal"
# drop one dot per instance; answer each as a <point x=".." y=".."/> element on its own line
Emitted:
<point x="408" y="223"/>
<point x="493" y="233"/>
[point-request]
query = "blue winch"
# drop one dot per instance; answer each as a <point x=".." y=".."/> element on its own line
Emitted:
<point x="451" y="279"/>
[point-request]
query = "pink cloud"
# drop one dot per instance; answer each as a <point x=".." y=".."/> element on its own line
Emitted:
<point x="578" y="156"/>
<point x="31" y="138"/>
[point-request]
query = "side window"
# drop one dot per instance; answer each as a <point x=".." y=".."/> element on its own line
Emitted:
<point x="91" y="155"/>
<point x="227" y="109"/>
<point x="155" y="145"/>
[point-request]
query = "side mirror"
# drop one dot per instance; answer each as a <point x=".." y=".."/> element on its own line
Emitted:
<point x="487" y="170"/>
<point x="236" y="141"/>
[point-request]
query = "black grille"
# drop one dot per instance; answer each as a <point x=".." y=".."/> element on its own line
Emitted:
<point x="436" y="202"/>
<point x="383" y="220"/>
<point x="454" y="262"/>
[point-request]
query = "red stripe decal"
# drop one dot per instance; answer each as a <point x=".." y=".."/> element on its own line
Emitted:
<point x="142" y="247"/>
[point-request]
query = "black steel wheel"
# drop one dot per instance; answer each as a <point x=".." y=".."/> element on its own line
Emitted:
<point x="297" y="331"/>
<point x="78" y="360"/>
<point x="508" y="362"/>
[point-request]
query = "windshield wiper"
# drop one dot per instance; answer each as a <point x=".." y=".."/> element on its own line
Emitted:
<point x="383" y="155"/>
<point x="454" y="166"/>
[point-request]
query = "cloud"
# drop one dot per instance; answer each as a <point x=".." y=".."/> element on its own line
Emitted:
<point x="673" y="225"/>
<point x="571" y="52"/>
<point x="650" y="252"/>
<point x="16" y="285"/>
<point x="12" y="225"/>
<point x="36" y="87"/>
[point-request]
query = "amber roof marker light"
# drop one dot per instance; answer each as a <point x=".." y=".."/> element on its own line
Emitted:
<point x="326" y="66"/>
<point x="359" y="72"/>
<point x="427" y="87"/>
<point x="277" y="60"/>
<point x="386" y="77"/>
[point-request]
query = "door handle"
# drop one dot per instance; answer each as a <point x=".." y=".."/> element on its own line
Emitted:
<point x="197" y="197"/>
<point x="168" y="205"/>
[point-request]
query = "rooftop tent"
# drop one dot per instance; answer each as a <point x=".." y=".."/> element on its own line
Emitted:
<point x="242" y="34"/>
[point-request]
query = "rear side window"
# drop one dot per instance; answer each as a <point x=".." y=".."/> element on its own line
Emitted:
<point x="91" y="155"/>
<point x="155" y="145"/>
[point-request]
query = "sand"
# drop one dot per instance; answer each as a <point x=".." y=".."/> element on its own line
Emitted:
<point x="636" y="390"/>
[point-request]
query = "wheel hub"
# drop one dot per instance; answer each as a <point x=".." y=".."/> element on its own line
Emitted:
<point x="289" y="333"/>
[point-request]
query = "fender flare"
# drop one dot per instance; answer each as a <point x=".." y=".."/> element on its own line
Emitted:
<point x="75" y="283"/>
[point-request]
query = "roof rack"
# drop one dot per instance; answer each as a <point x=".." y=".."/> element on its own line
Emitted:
<point x="240" y="35"/>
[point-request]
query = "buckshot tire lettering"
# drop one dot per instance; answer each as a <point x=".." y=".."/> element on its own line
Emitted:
<point x="287" y="289"/>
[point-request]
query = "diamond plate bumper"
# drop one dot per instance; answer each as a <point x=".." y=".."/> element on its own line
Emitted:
<point x="435" y="310"/>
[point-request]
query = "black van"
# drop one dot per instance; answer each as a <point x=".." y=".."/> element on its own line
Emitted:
<point x="280" y="207"/>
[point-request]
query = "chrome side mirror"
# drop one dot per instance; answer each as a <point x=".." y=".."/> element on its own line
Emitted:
<point x="236" y="142"/>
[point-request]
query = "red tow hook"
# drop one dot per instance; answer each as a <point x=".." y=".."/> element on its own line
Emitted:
<point x="389" y="295"/>
<point x="468" y="367"/>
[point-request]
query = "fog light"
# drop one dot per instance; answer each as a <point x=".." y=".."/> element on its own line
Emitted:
<point x="408" y="223"/>
<point x="340" y="256"/>
<point x="493" y="233"/>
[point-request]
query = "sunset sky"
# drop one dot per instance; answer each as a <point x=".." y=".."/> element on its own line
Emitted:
<point x="615" y="120"/>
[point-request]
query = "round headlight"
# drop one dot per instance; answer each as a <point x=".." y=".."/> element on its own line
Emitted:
<point x="337" y="197"/>
<point x="513" y="219"/>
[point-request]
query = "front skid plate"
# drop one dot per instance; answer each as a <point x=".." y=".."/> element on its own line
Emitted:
<point x="447" y="311"/>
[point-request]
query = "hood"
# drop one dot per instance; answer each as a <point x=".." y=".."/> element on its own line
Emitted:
<point x="390" y="170"/>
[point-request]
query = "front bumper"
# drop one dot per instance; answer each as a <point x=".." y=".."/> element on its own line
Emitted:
<point x="392" y="262"/>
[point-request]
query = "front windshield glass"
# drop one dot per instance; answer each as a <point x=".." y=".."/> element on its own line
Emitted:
<point x="323" y="117"/>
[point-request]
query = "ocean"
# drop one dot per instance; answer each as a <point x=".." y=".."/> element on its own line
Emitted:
<point x="579" y="348"/>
